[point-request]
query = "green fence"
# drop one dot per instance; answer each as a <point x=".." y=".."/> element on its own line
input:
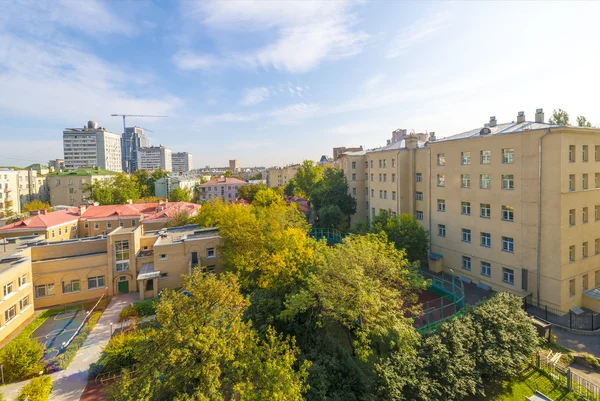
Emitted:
<point x="330" y="234"/>
<point x="451" y="300"/>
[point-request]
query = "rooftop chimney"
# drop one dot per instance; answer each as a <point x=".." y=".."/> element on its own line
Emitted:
<point x="492" y="121"/>
<point x="432" y="137"/>
<point x="521" y="117"/>
<point x="82" y="209"/>
<point x="539" y="115"/>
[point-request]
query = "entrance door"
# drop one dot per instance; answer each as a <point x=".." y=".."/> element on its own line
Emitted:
<point x="194" y="259"/>
<point x="123" y="287"/>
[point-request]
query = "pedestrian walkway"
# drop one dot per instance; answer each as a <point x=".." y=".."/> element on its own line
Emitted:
<point x="70" y="383"/>
<point x="578" y="342"/>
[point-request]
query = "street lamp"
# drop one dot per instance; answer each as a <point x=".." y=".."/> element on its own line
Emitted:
<point x="2" y="370"/>
<point x="111" y="329"/>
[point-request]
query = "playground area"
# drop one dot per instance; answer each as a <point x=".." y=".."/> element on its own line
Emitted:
<point x="443" y="298"/>
<point x="59" y="328"/>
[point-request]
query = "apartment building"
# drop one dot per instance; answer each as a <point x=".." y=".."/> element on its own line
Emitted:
<point x="234" y="166"/>
<point x="337" y="152"/>
<point x="164" y="186"/>
<point x="18" y="187"/>
<point x="71" y="187"/>
<point x="223" y="188"/>
<point x="280" y="176"/>
<point x="92" y="146"/>
<point x="37" y="273"/>
<point x="181" y="162"/>
<point x="132" y="141"/>
<point x="511" y="206"/>
<point x="154" y="158"/>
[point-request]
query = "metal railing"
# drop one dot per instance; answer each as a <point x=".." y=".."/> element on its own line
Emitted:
<point x="586" y="321"/>
<point x="567" y="378"/>
<point x="85" y="318"/>
<point x="450" y="302"/>
<point x="330" y="234"/>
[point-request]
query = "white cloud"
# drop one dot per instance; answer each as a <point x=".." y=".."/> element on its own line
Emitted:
<point x="374" y="81"/>
<point x="307" y="33"/>
<point x="187" y="60"/>
<point x="255" y="95"/>
<point x="291" y="114"/>
<point x="416" y="32"/>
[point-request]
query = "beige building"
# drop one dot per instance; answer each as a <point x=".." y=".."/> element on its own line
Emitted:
<point x="280" y="176"/>
<point x="222" y="188"/>
<point x="337" y="152"/>
<point x="512" y="206"/>
<point x="70" y="187"/>
<point x="19" y="187"/>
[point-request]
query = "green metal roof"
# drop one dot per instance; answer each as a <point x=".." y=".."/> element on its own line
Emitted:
<point x="82" y="172"/>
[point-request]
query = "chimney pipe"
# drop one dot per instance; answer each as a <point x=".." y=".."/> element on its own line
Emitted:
<point x="492" y="121"/>
<point x="521" y="117"/>
<point x="539" y="115"/>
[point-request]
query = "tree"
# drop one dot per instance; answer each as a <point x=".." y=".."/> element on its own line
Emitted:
<point x="559" y="117"/>
<point x="148" y="199"/>
<point x="247" y="192"/>
<point x="203" y="350"/>
<point x="181" y="218"/>
<point x="36" y="205"/>
<point x="583" y="122"/>
<point x="257" y="176"/>
<point x="406" y="233"/>
<point x="290" y="187"/>
<point x="117" y="190"/>
<point x="146" y="183"/>
<point x="268" y="197"/>
<point x="179" y="195"/>
<point x="21" y="358"/>
<point x="228" y="174"/>
<point x="330" y="216"/>
<point x="330" y="191"/>
<point x="307" y="176"/>
<point x="38" y="389"/>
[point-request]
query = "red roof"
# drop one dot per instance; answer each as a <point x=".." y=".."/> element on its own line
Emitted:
<point x="44" y="221"/>
<point x="147" y="210"/>
<point x="223" y="181"/>
<point x="173" y="210"/>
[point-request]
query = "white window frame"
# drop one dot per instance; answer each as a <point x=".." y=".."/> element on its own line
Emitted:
<point x="485" y="181"/>
<point x="508" y="213"/>
<point x="23" y="305"/>
<point x="508" y="244"/>
<point x="441" y="180"/>
<point x="508" y="181"/>
<point x="210" y="253"/>
<point x="508" y="276"/>
<point x="442" y="230"/>
<point x="465" y="158"/>
<point x="10" y="313"/>
<point x="486" y="269"/>
<point x="441" y="205"/>
<point x="441" y="159"/>
<point x="486" y="240"/>
<point x="465" y="208"/>
<point x="96" y="280"/>
<point x="22" y="280"/>
<point x="69" y="287"/>
<point x="122" y="256"/>
<point x="508" y="156"/>
<point x="419" y="196"/>
<point x="419" y="215"/>
<point x="466" y="263"/>
<point x="485" y="207"/>
<point x="8" y="289"/>
<point x="465" y="180"/>
<point x="466" y="235"/>
<point x="486" y="157"/>
<point x="46" y="287"/>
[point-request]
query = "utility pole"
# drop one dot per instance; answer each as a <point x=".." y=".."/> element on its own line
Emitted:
<point x="128" y="156"/>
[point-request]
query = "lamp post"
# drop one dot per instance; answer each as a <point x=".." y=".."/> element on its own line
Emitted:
<point x="452" y="271"/>
<point x="111" y="329"/>
<point x="2" y="370"/>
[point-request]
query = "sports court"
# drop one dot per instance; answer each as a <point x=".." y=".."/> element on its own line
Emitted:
<point x="58" y="328"/>
<point x="443" y="298"/>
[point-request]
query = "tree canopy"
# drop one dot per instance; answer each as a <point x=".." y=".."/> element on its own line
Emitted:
<point x="559" y="117"/>
<point x="115" y="190"/>
<point x="583" y="122"/>
<point x="247" y="192"/>
<point x="36" y="204"/>
<point x="307" y="176"/>
<point x="331" y="200"/>
<point x="179" y="195"/>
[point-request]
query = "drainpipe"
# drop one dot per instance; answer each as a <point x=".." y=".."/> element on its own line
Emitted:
<point x="539" y="222"/>
<point x="398" y="182"/>
<point x="429" y="196"/>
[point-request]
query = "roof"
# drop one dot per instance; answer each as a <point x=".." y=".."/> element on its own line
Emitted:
<point x="223" y="181"/>
<point x="82" y="172"/>
<point x="594" y="293"/>
<point x="173" y="210"/>
<point x="184" y="233"/>
<point x="398" y="145"/>
<point x="500" y="129"/>
<point x="147" y="271"/>
<point x="148" y="210"/>
<point x="43" y="221"/>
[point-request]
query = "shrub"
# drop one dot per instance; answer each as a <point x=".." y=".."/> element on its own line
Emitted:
<point x="21" y="358"/>
<point x="118" y="354"/>
<point x="38" y="389"/>
<point x="138" y="309"/>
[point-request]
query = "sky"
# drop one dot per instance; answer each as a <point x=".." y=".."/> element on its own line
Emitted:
<point x="273" y="83"/>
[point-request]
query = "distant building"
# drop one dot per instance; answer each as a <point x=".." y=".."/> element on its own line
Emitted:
<point x="164" y="186"/>
<point x="154" y="158"/>
<point x="132" y="141"/>
<point x="18" y="187"/>
<point x="223" y="188"/>
<point x="337" y="152"/>
<point x="70" y="187"/>
<point x="56" y="164"/>
<point x="280" y="176"/>
<point x="182" y="162"/>
<point x="233" y="166"/>
<point x="92" y="146"/>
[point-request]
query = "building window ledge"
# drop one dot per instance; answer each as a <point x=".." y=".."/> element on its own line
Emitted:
<point x="485" y="246"/>
<point x="44" y="296"/>
<point x="71" y="292"/>
<point x="508" y="251"/>
<point x="24" y="286"/>
<point x="508" y="282"/>
<point x="23" y="310"/>
<point x="9" y="296"/>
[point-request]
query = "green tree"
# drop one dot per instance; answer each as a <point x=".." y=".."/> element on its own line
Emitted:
<point x="257" y="176"/>
<point x="331" y="216"/>
<point x="180" y="218"/>
<point x="36" y="204"/>
<point x="290" y="188"/>
<point x="21" y="358"/>
<point x="559" y="117"/>
<point x="146" y="183"/>
<point x="331" y="191"/>
<point x="205" y="351"/>
<point x="228" y="174"/>
<point x="404" y="231"/>
<point x="583" y="122"/>
<point x="307" y="176"/>
<point x="267" y="197"/>
<point x="247" y="192"/>
<point x="116" y="190"/>
<point x="179" y="195"/>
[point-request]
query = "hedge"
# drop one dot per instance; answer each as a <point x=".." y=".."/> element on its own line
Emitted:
<point x="38" y="389"/>
<point x="139" y="309"/>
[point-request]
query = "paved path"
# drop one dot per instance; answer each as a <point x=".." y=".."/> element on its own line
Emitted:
<point x="578" y="342"/>
<point x="70" y="383"/>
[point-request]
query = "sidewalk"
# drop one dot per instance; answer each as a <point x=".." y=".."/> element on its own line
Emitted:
<point x="70" y="383"/>
<point x="578" y="342"/>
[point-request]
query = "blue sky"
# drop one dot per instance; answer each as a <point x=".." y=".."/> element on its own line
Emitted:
<point x="271" y="83"/>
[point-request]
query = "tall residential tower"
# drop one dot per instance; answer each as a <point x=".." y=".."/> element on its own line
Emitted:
<point x="92" y="146"/>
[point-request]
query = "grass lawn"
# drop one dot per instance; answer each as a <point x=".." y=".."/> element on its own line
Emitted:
<point x="530" y="381"/>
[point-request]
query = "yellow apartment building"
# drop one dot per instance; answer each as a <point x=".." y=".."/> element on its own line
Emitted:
<point x="70" y="187"/>
<point x="513" y="206"/>
<point x="280" y="176"/>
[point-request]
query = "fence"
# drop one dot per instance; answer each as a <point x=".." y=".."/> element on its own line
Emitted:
<point x="88" y="314"/>
<point x="567" y="378"/>
<point x="586" y="321"/>
<point x="331" y="234"/>
<point x="451" y="300"/>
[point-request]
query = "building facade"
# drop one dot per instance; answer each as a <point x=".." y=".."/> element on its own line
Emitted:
<point x="280" y="176"/>
<point x="56" y="164"/>
<point x="181" y="162"/>
<point x="510" y="206"/>
<point x="163" y="186"/>
<point x="19" y="187"/>
<point x="337" y="152"/>
<point x="132" y="141"/>
<point x="222" y="188"/>
<point x="154" y="158"/>
<point x="234" y="166"/>
<point x="92" y="146"/>
<point x="71" y="187"/>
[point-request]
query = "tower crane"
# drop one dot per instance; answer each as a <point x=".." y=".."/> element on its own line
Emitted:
<point x="133" y="115"/>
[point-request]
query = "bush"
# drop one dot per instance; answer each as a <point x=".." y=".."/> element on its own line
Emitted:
<point x="118" y="354"/>
<point x="38" y="389"/>
<point x="139" y="309"/>
<point x="21" y="358"/>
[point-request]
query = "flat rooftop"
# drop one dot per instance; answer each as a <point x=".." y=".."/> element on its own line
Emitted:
<point x="10" y="250"/>
<point x="179" y="234"/>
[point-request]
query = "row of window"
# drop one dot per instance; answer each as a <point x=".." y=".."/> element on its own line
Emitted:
<point x="9" y="288"/>
<point x="210" y="253"/>
<point x="382" y="164"/>
<point x="485" y="181"/>
<point x="584" y="181"/>
<point x="11" y="312"/>
<point x="508" y="275"/>
<point x="485" y="210"/>
<point x="60" y="230"/>
<point x="584" y="215"/>
<point x="108" y="224"/>
<point x="584" y="153"/>
<point x="508" y="243"/>
<point x="584" y="283"/>
<point x="382" y="194"/>
<point x="71" y="286"/>
<point x="584" y="250"/>
<point x="485" y="157"/>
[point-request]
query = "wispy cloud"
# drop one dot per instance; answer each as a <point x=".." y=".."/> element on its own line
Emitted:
<point x="187" y="60"/>
<point x="291" y="114"/>
<point x="374" y="81"/>
<point x="416" y="32"/>
<point x="255" y="96"/>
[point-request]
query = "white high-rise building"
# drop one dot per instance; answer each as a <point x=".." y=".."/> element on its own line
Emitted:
<point x="182" y="162"/>
<point x="92" y="146"/>
<point x="155" y="157"/>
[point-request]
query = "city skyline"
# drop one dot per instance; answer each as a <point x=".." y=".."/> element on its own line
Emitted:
<point x="276" y="83"/>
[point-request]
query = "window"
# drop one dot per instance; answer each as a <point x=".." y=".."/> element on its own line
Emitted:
<point x="441" y="205"/>
<point x="108" y="224"/>
<point x="508" y="213"/>
<point x="572" y="253"/>
<point x="419" y="195"/>
<point x="121" y="223"/>
<point x="486" y="156"/>
<point x="508" y="244"/>
<point x="465" y="158"/>
<point x="210" y="252"/>
<point x="571" y="153"/>
<point x="42" y="291"/>
<point x="210" y="269"/>
<point x="584" y="282"/>
<point x="122" y="255"/>
<point x="384" y="177"/>
<point x="393" y="177"/>
<point x="353" y="176"/>
<point x="86" y="224"/>
<point x="486" y="240"/>
<point x="584" y="215"/>
<point x="372" y="212"/>
<point x="380" y="177"/>
<point x="466" y="235"/>
<point x="584" y="181"/>
<point x="150" y="285"/>
<point x="60" y="231"/>
<point x="571" y="182"/>
<point x="353" y="191"/>
<point x="419" y="177"/>
<point x="485" y="210"/>
<point x="597" y="277"/>
<point x="442" y="230"/>
<point x="23" y="280"/>
<point x="584" y="250"/>
<point x="572" y="287"/>
<point x="393" y="195"/>
<point x="380" y="194"/>
<point x="366" y="176"/>
<point x="597" y="246"/>
<point x="71" y="286"/>
<point x="353" y="165"/>
<point x="384" y="163"/>
<point x="584" y="153"/>
<point x="441" y="180"/>
<point x="24" y="303"/>
<point x="95" y="282"/>
<point x="419" y="215"/>
<point x="466" y="263"/>
<point x="384" y="194"/>
<point x="371" y="163"/>
<point x="8" y="289"/>
<point x="465" y="180"/>
<point x="485" y="181"/>
<point x="164" y="275"/>
<point x="10" y="314"/>
<point x="380" y="163"/>
<point x="597" y="180"/>
<point x="393" y="163"/>
<point x="163" y="256"/>
<point x="508" y="156"/>
<point x="441" y="159"/>
<point x="366" y="191"/>
<point x="572" y="217"/>
<point x="465" y="208"/>
<point x="597" y="153"/>
<point x="372" y="193"/>
<point x="96" y="226"/>
<point x="508" y="276"/>
<point x="508" y="181"/>
<point x="132" y="223"/>
<point x="486" y="269"/>
<point x="372" y="177"/>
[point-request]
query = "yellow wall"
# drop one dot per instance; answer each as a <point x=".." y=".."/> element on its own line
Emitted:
<point x="11" y="275"/>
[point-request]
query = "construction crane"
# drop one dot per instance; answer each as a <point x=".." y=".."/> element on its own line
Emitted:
<point x="129" y="154"/>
